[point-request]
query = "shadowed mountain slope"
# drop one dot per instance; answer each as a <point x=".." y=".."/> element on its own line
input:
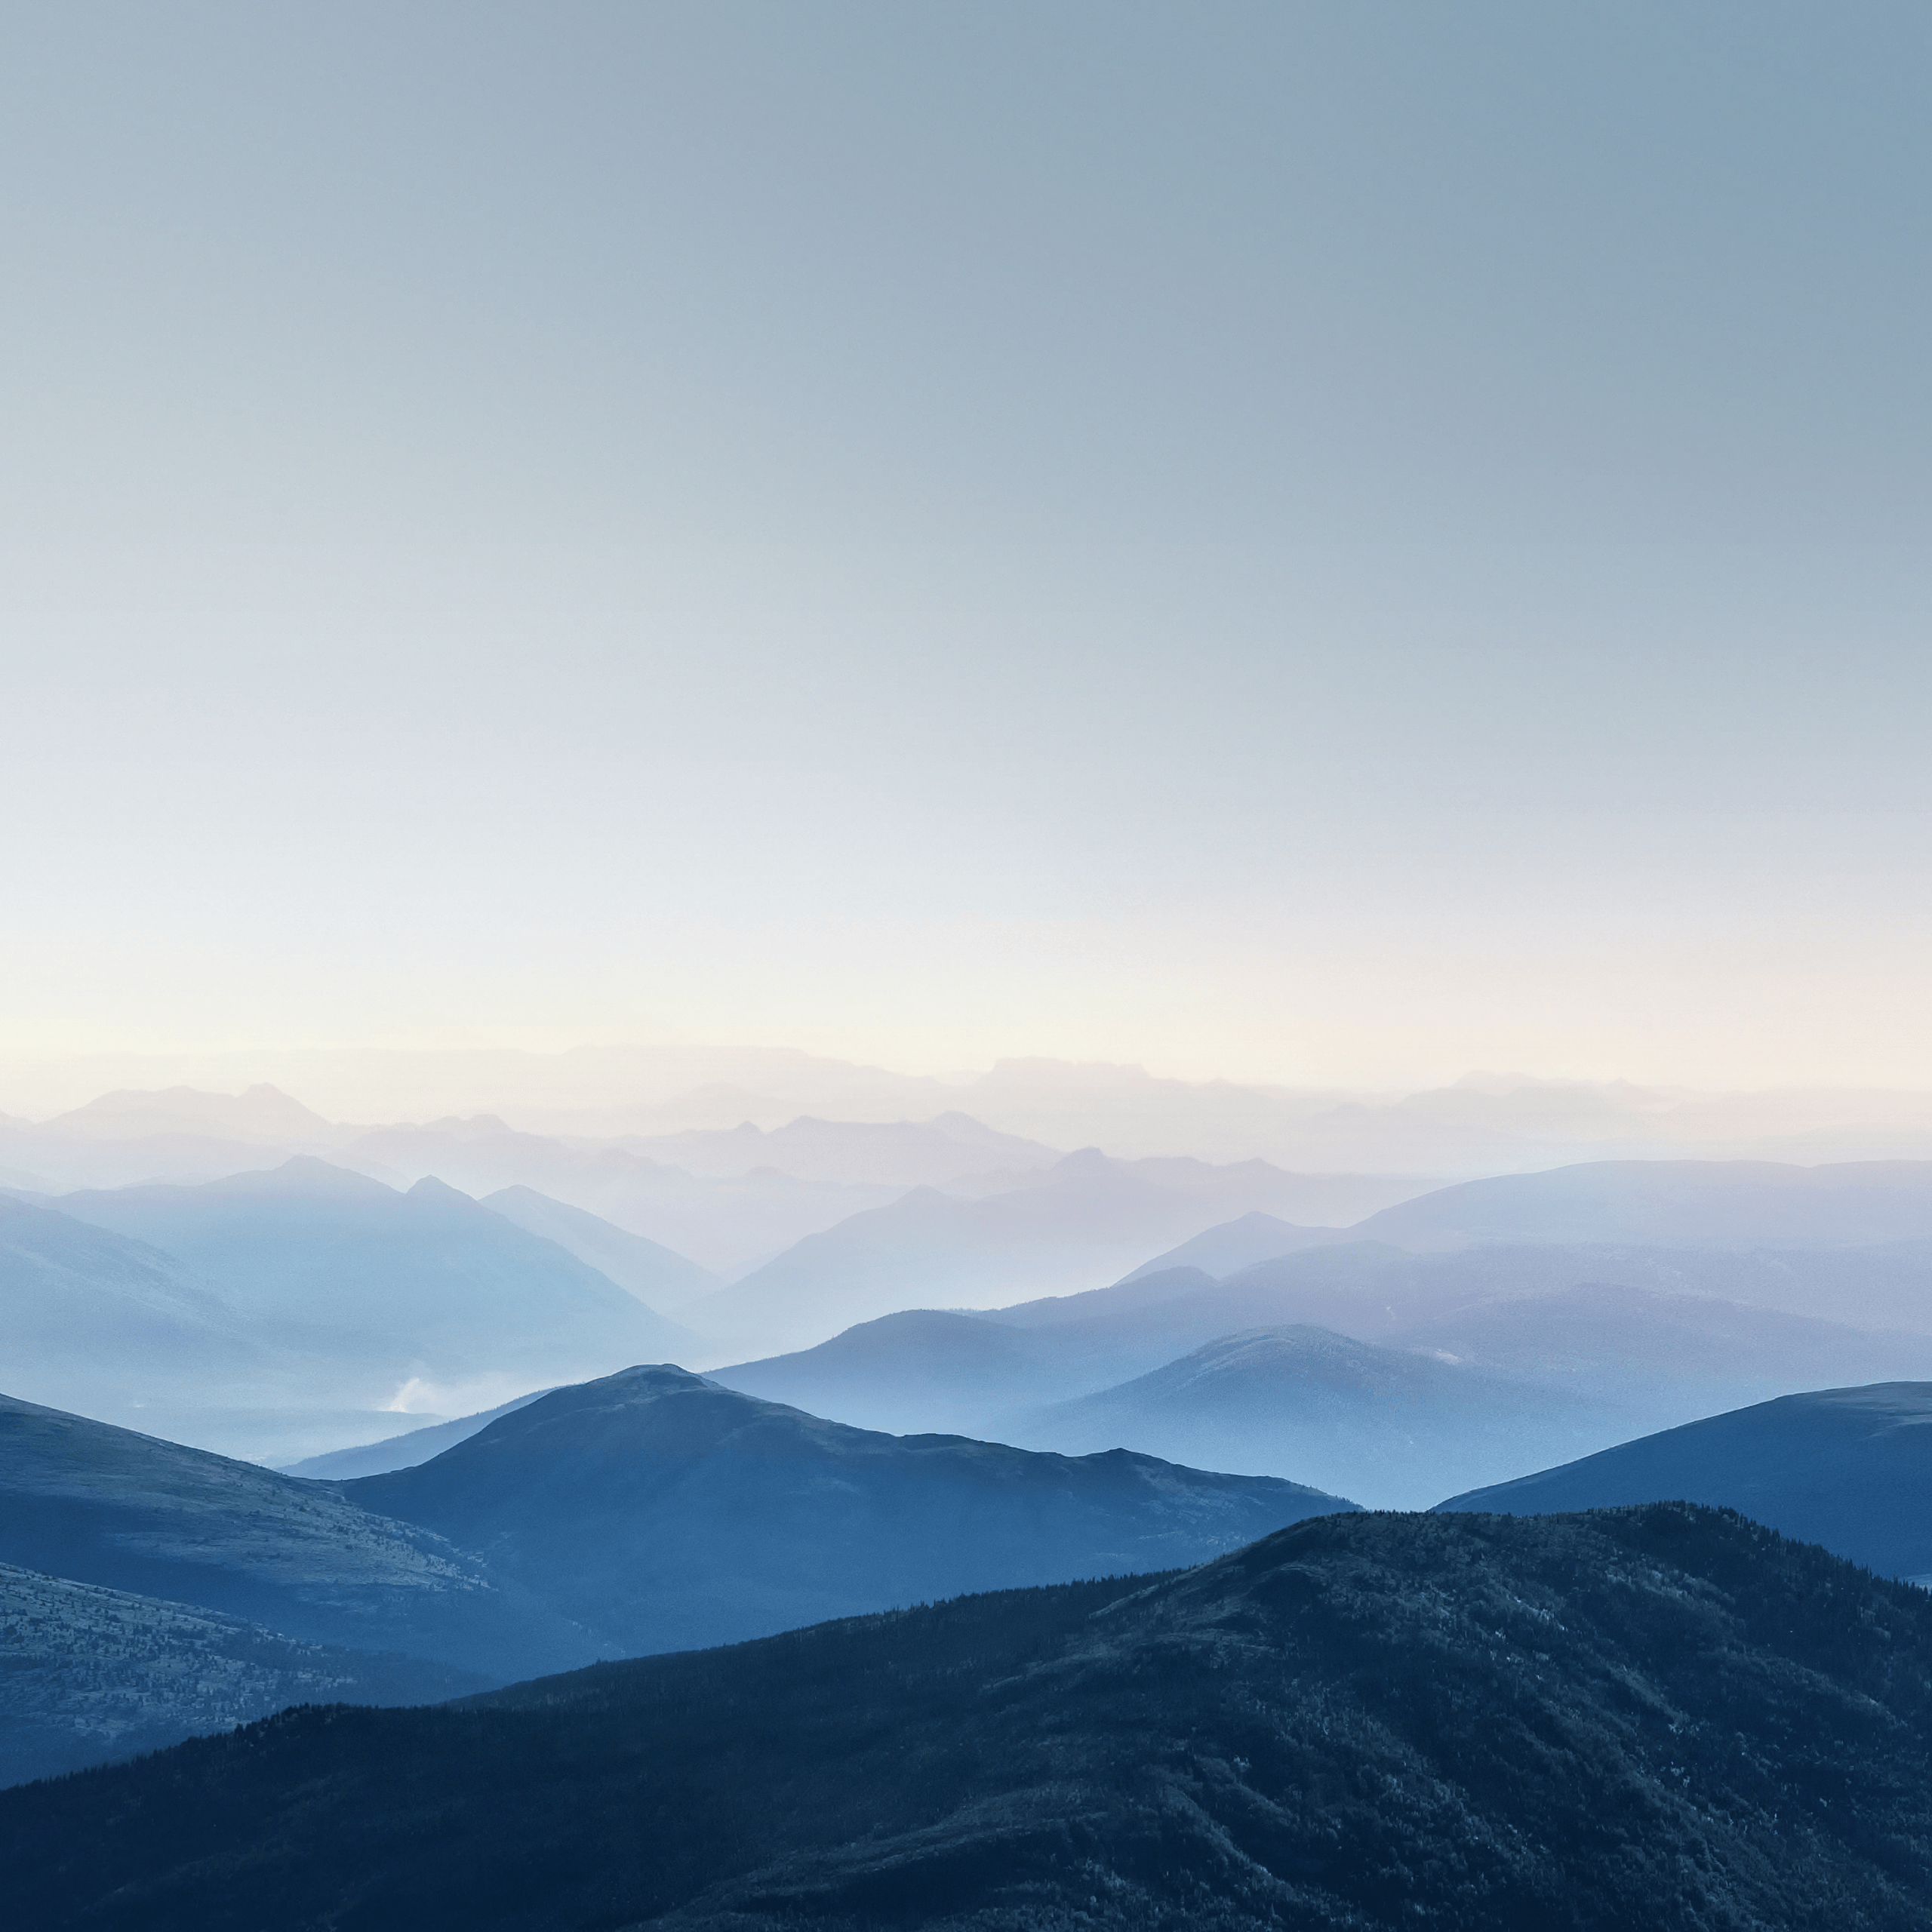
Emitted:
<point x="95" y="1504"/>
<point x="1667" y="1719"/>
<point x="1848" y="1468"/>
<point x="404" y="1451"/>
<point x="664" y="1511"/>
<point x="88" y="1674"/>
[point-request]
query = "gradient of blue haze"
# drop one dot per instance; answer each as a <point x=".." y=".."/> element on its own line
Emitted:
<point x="1300" y="542"/>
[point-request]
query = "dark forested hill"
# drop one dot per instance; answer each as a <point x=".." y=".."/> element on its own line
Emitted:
<point x="1665" y="1717"/>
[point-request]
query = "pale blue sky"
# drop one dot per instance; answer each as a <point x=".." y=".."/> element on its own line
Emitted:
<point x="1335" y="542"/>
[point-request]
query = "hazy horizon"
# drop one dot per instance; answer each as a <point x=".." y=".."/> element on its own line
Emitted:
<point x="1320" y="547"/>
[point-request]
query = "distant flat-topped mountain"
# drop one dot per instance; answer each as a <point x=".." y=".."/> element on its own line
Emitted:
<point x="1667" y="1719"/>
<point x="1672" y="1204"/>
<point x="1848" y="1468"/>
<point x="665" y="1510"/>
<point x="263" y="1116"/>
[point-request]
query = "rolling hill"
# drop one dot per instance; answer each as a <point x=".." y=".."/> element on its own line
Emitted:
<point x="664" y="1511"/>
<point x="1667" y="1719"/>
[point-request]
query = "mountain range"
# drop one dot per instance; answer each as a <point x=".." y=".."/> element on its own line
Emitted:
<point x="1667" y="1718"/>
<point x="643" y="1511"/>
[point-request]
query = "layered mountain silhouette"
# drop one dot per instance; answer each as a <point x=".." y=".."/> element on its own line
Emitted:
<point x="1667" y="1718"/>
<point x="1086" y="1219"/>
<point x="91" y="1317"/>
<point x="665" y="1510"/>
<point x="649" y="1510"/>
<point x="724" y="1224"/>
<point x="656" y="1275"/>
<point x="1850" y="1468"/>
<point x="361" y="1290"/>
<point x="1493" y="1358"/>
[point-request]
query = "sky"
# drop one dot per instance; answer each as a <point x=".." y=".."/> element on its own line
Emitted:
<point x="1326" y="545"/>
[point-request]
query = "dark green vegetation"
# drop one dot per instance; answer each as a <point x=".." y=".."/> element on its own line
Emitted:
<point x="1848" y="1468"/>
<point x="660" y="1511"/>
<point x="1662" y="1718"/>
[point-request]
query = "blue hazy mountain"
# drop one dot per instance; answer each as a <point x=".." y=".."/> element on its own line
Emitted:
<point x="404" y="1451"/>
<point x="89" y="1315"/>
<point x="1393" y="1422"/>
<point x="724" y="1223"/>
<point x="85" y="1501"/>
<point x="927" y="1369"/>
<point x="1667" y="1719"/>
<point x="1673" y="1204"/>
<point x="1083" y="1222"/>
<point x="1524" y="1311"/>
<point x="1848" y="1468"/>
<point x="658" y="1277"/>
<point x="665" y="1510"/>
<point x="372" y="1289"/>
<point x="1231" y="1246"/>
<point x="91" y="1675"/>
